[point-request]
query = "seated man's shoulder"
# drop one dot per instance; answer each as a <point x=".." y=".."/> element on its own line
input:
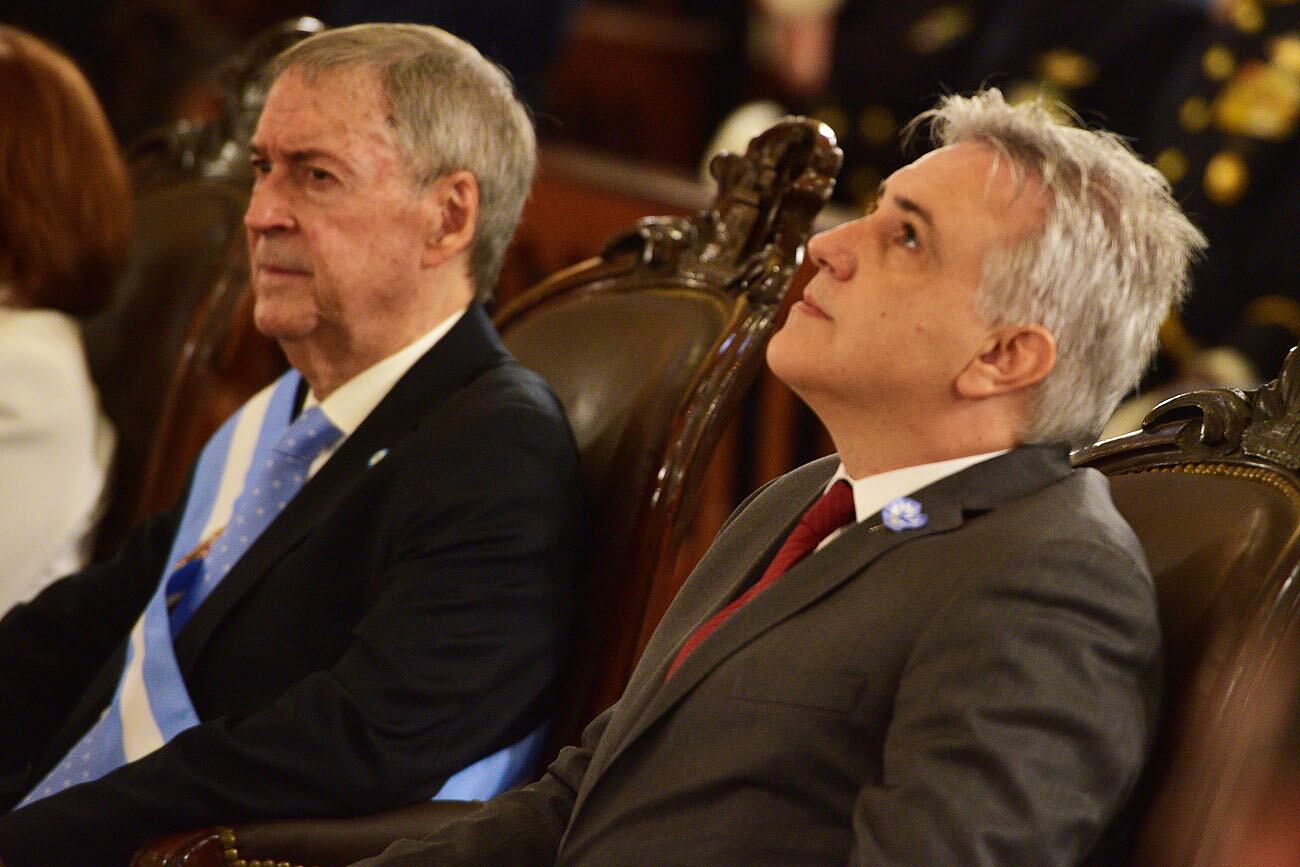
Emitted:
<point x="509" y="388"/>
<point x="1067" y="539"/>
<point x="1079" y="509"/>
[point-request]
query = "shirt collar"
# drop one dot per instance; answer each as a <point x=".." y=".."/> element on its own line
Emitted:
<point x="349" y="404"/>
<point x="871" y="493"/>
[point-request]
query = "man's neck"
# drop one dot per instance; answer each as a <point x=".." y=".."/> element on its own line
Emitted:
<point x="330" y="358"/>
<point x="871" y="442"/>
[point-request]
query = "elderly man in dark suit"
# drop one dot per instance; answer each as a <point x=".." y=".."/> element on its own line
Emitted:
<point x="939" y="646"/>
<point x="363" y="598"/>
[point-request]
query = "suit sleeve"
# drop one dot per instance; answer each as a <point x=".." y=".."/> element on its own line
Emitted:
<point x="523" y="826"/>
<point x="1025" y="705"/>
<point x="452" y="661"/>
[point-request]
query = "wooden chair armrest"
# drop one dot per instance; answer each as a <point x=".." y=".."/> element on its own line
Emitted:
<point x="188" y="849"/>
<point x="301" y="842"/>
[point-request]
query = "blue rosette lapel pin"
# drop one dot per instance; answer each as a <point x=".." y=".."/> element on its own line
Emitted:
<point x="903" y="513"/>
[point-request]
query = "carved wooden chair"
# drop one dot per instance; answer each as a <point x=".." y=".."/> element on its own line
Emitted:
<point x="1210" y="484"/>
<point x="650" y="348"/>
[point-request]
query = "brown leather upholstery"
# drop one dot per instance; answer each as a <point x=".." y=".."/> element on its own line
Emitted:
<point x="1210" y="485"/>
<point x="1214" y="539"/>
<point x="650" y="349"/>
<point x="650" y="344"/>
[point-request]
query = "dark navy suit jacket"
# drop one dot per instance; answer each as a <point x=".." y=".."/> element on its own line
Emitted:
<point x="395" y="623"/>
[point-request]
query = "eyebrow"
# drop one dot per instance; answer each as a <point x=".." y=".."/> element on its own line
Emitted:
<point x="910" y="206"/>
<point x="297" y="156"/>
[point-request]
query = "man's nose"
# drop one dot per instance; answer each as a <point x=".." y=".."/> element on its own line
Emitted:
<point x="267" y="209"/>
<point x="830" y="254"/>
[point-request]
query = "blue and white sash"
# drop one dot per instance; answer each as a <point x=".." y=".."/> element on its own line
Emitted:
<point x="151" y="704"/>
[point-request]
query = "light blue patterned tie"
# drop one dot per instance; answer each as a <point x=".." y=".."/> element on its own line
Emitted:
<point x="267" y="490"/>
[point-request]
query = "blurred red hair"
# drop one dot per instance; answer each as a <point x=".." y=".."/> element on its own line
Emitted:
<point x="64" y="193"/>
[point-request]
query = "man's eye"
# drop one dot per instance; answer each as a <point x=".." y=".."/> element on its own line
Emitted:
<point x="260" y="166"/>
<point x="907" y="236"/>
<point x="319" y="174"/>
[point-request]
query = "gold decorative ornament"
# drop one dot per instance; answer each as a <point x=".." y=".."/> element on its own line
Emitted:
<point x="1226" y="178"/>
<point x="1172" y="163"/>
<point x="1045" y="93"/>
<point x="940" y="28"/>
<point x="1247" y="16"/>
<point x="1194" y="114"/>
<point x="1261" y="101"/>
<point x="1218" y="62"/>
<point x="1066" y="68"/>
<point x="1284" y="53"/>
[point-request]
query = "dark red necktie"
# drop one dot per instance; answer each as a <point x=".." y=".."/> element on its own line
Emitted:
<point x="828" y="514"/>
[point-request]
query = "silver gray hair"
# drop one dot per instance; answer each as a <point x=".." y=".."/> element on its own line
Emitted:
<point x="1109" y="262"/>
<point x="450" y="109"/>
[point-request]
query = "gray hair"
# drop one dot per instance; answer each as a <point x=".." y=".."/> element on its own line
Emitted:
<point x="1108" y="264"/>
<point x="450" y="109"/>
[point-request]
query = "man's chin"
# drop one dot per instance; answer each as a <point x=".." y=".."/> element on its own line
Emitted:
<point x="786" y="355"/>
<point x="281" y="327"/>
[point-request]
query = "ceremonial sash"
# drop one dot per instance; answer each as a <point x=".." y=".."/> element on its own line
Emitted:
<point x="151" y="704"/>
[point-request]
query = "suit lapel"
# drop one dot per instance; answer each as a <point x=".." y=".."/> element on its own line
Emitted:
<point x="468" y="348"/>
<point x="946" y="504"/>
<point x="766" y="523"/>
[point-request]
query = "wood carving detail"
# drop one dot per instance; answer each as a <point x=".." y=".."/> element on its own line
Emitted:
<point x="219" y="149"/>
<point x="1263" y="423"/>
<point x="763" y="215"/>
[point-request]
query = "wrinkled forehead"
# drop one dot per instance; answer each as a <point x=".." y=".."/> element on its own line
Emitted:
<point x="349" y="87"/>
<point x="346" y="102"/>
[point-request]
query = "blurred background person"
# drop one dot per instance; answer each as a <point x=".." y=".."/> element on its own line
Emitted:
<point x="862" y="66"/>
<point x="64" y="223"/>
<point x="1225" y="129"/>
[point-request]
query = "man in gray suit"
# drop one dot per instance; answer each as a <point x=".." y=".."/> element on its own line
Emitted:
<point x="962" y="669"/>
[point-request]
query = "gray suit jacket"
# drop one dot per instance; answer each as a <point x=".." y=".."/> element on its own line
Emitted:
<point x="980" y="690"/>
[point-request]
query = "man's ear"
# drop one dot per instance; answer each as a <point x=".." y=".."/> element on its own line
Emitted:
<point x="1012" y="358"/>
<point x="451" y="203"/>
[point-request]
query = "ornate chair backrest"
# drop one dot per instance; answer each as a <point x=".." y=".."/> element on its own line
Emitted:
<point x="1210" y="485"/>
<point x="650" y="349"/>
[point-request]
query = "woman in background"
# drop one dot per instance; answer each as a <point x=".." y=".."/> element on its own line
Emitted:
<point x="64" y="222"/>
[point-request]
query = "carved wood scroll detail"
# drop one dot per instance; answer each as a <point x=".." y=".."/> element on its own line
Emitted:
<point x="1263" y="423"/>
<point x="763" y="214"/>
